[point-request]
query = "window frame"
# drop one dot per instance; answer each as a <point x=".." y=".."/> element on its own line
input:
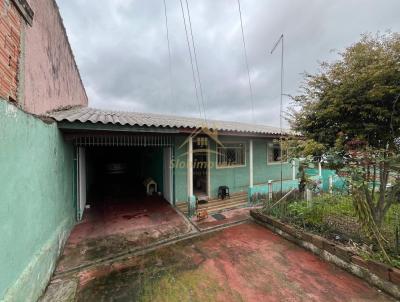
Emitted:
<point x="267" y="155"/>
<point x="218" y="166"/>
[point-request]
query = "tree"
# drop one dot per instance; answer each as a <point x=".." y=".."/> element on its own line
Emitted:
<point x="352" y="107"/>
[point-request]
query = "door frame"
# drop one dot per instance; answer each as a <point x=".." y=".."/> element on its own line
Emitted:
<point x="168" y="175"/>
<point x="80" y="182"/>
<point x="207" y="169"/>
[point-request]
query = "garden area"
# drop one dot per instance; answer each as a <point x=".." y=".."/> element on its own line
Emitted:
<point x="334" y="217"/>
<point x="347" y="119"/>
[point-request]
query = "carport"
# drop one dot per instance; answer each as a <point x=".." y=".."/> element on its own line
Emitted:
<point x="116" y="211"/>
<point x="121" y="170"/>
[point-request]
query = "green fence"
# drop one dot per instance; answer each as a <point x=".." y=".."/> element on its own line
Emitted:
<point x="262" y="192"/>
<point x="338" y="183"/>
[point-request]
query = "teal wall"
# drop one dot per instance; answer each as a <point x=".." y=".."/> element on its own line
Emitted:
<point x="237" y="179"/>
<point x="37" y="209"/>
<point x="338" y="182"/>
<point x="264" y="171"/>
<point x="259" y="192"/>
<point x="180" y="169"/>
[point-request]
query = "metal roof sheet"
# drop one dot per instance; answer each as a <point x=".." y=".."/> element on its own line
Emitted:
<point x="86" y="114"/>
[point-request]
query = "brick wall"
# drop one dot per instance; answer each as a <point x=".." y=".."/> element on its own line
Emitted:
<point x="10" y="36"/>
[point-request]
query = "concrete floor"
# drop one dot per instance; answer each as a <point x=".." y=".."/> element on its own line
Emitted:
<point x="116" y="226"/>
<point x="225" y="217"/>
<point x="245" y="262"/>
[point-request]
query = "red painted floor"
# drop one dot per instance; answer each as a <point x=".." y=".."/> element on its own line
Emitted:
<point x="115" y="226"/>
<point x="245" y="262"/>
<point x="228" y="217"/>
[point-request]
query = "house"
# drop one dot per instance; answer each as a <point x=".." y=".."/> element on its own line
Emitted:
<point x="188" y="158"/>
<point x="53" y="161"/>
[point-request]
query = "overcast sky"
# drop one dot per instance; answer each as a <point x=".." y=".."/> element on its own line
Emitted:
<point x="121" y="50"/>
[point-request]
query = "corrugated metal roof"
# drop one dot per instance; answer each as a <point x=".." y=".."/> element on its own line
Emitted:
<point x="85" y="114"/>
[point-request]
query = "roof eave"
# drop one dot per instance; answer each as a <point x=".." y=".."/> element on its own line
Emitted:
<point x="89" y="126"/>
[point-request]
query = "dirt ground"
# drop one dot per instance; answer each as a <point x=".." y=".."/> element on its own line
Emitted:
<point x="245" y="262"/>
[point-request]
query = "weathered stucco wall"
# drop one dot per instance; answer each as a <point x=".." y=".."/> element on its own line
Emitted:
<point x="52" y="78"/>
<point x="37" y="208"/>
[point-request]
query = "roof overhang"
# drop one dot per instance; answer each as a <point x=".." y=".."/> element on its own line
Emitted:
<point x="77" y="129"/>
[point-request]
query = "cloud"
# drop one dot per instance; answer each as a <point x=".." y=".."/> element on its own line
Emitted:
<point x="121" y="50"/>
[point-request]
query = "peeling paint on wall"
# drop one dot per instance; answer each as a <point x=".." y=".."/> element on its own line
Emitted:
<point x="52" y="78"/>
<point x="37" y="206"/>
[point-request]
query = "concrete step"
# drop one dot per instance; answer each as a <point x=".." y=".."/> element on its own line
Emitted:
<point x="222" y="202"/>
<point x="234" y="198"/>
<point x="217" y="205"/>
<point x="217" y="201"/>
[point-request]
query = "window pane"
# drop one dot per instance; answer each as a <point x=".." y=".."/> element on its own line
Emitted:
<point x="232" y="154"/>
<point x="274" y="153"/>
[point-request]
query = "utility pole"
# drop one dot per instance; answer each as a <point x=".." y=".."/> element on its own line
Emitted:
<point x="280" y="40"/>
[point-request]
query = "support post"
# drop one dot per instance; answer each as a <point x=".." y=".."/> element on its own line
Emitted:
<point x="191" y="198"/>
<point x="251" y="163"/>
<point x="190" y="167"/>
<point x="293" y="169"/>
<point x="331" y="184"/>
<point x="319" y="169"/>
<point x="308" y="195"/>
<point x="269" y="190"/>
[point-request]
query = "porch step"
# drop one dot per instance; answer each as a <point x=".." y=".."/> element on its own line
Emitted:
<point x="216" y="205"/>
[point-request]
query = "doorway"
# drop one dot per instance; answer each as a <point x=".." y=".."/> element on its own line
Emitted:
<point x="200" y="167"/>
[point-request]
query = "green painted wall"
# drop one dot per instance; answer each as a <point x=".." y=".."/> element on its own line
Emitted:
<point x="37" y="209"/>
<point x="237" y="179"/>
<point x="264" y="171"/>
<point x="180" y="169"/>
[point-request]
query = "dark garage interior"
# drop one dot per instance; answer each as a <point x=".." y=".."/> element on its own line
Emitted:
<point x="119" y="173"/>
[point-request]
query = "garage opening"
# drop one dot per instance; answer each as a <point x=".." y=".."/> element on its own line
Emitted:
<point x="123" y="172"/>
<point x="124" y="187"/>
<point x="119" y="173"/>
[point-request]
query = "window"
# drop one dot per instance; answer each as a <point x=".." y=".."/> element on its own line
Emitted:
<point x="231" y="154"/>
<point x="274" y="153"/>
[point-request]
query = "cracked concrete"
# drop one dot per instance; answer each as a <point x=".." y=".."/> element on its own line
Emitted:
<point x="245" y="262"/>
<point x="118" y="227"/>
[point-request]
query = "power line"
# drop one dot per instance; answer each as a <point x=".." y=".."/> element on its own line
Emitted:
<point x="247" y="62"/>
<point x="169" y="49"/>
<point x="196" y="62"/>
<point x="191" y="60"/>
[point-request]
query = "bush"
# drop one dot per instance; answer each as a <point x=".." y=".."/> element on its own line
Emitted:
<point x="320" y="214"/>
<point x="334" y="217"/>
